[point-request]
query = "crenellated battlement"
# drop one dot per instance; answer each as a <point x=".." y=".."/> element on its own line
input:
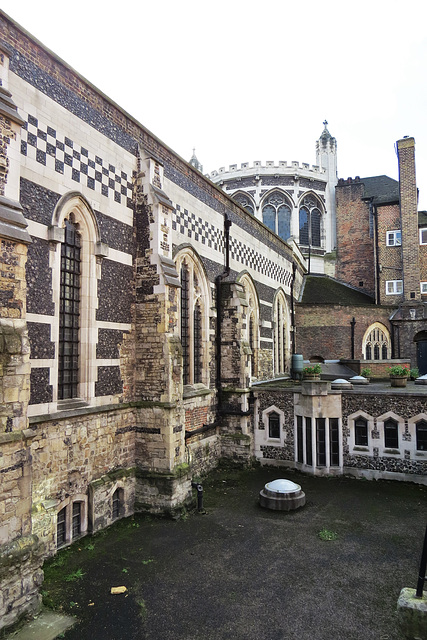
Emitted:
<point x="282" y="168"/>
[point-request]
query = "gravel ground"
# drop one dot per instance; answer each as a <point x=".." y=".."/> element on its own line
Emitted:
<point x="242" y="572"/>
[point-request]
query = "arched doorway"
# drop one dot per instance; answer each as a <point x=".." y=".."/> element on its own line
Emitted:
<point x="421" y="341"/>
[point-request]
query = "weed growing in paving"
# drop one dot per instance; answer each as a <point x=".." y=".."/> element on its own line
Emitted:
<point x="75" y="575"/>
<point x="325" y="534"/>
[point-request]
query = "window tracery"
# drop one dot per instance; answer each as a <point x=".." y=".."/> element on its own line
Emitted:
<point x="276" y="214"/>
<point x="310" y="222"/>
<point x="376" y="343"/>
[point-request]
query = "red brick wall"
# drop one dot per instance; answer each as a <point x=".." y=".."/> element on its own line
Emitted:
<point x="196" y="418"/>
<point x="325" y="330"/>
<point x="409" y="216"/>
<point x="389" y="258"/>
<point x="355" y="247"/>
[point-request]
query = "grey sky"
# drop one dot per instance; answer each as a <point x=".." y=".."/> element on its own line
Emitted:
<point x="243" y="81"/>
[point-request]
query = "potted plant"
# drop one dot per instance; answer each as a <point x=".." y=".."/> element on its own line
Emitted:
<point x="398" y="375"/>
<point x="366" y="373"/>
<point x="414" y="373"/>
<point x="312" y="372"/>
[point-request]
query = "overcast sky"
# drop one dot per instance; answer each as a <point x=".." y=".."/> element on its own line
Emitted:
<point x="243" y="81"/>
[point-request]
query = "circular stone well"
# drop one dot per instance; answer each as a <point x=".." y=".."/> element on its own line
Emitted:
<point x="282" y="495"/>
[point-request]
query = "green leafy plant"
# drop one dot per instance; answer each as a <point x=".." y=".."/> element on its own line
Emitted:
<point x="313" y="369"/>
<point x="414" y="373"/>
<point x="147" y="561"/>
<point x="366" y="372"/>
<point x="326" y="534"/>
<point x="399" y="370"/>
<point x="76" y="575"/>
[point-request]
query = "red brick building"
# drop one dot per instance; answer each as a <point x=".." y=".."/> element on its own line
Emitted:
<point x="374" y="308"/>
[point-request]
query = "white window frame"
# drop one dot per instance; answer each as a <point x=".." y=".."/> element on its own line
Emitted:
<point x="395" y="284"/>
<point x="394" y="238"/>
<point x="423" y="232"/>
<point x="423" y="287"/>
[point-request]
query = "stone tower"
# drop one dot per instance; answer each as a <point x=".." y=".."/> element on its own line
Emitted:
<point x="326" y="157"/>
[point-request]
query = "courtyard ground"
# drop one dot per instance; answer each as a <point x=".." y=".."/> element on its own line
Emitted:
<point x="241" y="572"/>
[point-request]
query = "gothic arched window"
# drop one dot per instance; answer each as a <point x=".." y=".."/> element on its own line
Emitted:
<point x="281" y="346"/>
<point x="310" y="222"/>
<point x="252" y="322"/>
<point x="376" y="343"/>
<point x="245" y="202"/>
<point x="276" y="214"/>
<point x="193" y="318"/>
<point x="69" y="312"/>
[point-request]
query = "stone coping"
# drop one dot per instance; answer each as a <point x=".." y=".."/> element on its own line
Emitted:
<point x="88" y="410"/>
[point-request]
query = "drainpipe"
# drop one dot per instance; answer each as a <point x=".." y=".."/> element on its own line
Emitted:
<point x="352" y="323"/>
<point x="373" y="211"/>
<point x="293" y="308"/>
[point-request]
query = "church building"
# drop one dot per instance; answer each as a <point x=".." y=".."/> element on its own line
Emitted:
<point x="144" y="304"/>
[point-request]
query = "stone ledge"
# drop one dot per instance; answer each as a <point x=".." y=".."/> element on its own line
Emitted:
<point x="16" y="436"/>
<point x="83" y="411"/>
<point x="412" y="615"/>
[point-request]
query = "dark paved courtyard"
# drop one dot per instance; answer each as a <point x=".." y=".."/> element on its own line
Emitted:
<point x="241" y="572"/>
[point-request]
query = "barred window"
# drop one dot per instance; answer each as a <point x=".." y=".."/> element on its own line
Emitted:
<point x="61" y="530"/>
<point x="117" y="503"/>
<point x="193" y="332"/>
<point x="68" y="366"/>
<point x="77" y="519"/>
<point x="185" y="323"/>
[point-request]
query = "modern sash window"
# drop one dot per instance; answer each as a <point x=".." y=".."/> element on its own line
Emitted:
<point x="394" y="238"/>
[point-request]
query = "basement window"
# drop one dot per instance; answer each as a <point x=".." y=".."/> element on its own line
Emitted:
<point x="361" y="432"/>
<point x="274" y="425"/>
<point x="391" y="434"/>
<point x="421" y="434"/>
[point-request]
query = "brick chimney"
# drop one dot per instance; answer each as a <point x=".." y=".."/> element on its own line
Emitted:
<point x="409" y="219"/>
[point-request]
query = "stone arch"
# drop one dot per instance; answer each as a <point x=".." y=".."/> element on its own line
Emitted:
<point x="73" y="210"/>
<point x="246" y="201"/>
<point x="276" y="211"/>
<point x="252" y="320"/>
<point x="193" y="313"/>
<point x="376" y="343"/>
<point x="281" y="333"/>
<point x="311" y="214"/>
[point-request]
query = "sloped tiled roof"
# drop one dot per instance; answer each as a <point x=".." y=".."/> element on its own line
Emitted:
<point x="326" y="290"/>
<point x="382" y="189"/>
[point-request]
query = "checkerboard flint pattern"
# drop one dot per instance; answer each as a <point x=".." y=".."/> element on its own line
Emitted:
<point x="202" y="231"/>
<point x="63" y="155"/>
